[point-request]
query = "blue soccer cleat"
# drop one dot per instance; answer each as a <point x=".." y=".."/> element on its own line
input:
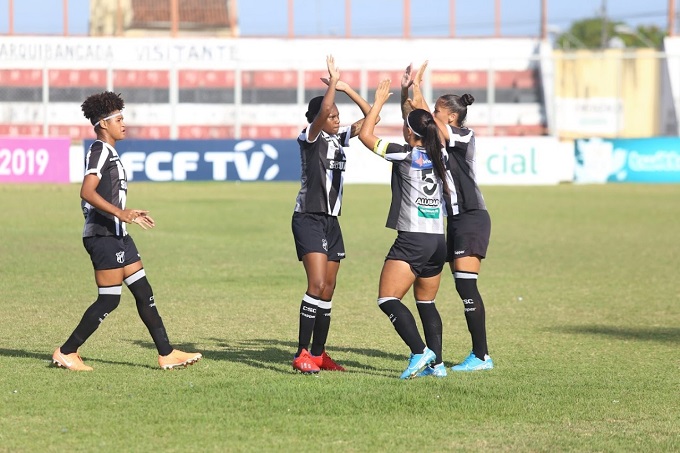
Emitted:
<point x="473" y="363"/>
<point x="438" y="370"/>
<point x="417" y="362"/>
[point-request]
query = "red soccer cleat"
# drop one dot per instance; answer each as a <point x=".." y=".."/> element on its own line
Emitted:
<point x="324" y="362"/>
<point x="304" y="363"/>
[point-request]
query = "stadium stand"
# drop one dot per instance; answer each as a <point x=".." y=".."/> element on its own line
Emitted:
<point x="185" y="88"/>
<point x="202" y="93"/>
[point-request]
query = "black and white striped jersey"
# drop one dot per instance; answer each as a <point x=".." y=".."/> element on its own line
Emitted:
<point x="464" y="192"/>
<point x="323" y="172"/>
<point x="416" y="190"/>
<point x="102" y="160"/>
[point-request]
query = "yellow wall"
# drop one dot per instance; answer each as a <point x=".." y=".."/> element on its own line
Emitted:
<point x="631" y="76"/>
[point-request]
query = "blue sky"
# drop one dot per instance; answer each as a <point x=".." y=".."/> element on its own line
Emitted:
<point x="369" y="17"/>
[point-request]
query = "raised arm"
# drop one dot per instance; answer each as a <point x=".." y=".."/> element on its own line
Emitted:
<point x="406" y="82"/>
<point x="366" y="134"/>
<point x="357" y="99"/>
<point x="328" y="99"/>
<point x="418" y="101"/>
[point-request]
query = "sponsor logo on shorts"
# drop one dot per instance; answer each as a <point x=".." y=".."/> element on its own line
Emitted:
<point x="341" y="254"/>
<point x="324" y="244"/>
<point x="459" y="252"/>
<point x="120" y="257"/>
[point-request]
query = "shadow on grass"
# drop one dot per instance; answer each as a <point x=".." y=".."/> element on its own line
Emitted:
<point x="47" y="357"/>
<point x="276" y="355"/>
<point x="658" y="334"/>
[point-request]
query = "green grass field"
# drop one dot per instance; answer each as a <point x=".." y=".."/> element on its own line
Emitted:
<point x="581" y="289"/>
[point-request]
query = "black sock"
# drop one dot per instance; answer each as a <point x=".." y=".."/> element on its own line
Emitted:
<point x="403" y="322"/>
<point x="432" y="325"/>
<point x="308" y="308"/>
<point x="146" y="307"/>
<point x="321" y="327"/>
<point x="107" y="301"/>
<point x="466" y="285"/>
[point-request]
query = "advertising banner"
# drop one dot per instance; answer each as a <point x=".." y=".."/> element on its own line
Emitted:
<point x="521" y="161"/>
<point x="644" y="160"/>
<point x="34" y="160"/>
<point x="209" y="160"/>
<point x="499" y="160"/>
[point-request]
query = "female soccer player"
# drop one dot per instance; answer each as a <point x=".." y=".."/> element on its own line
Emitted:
<point x="316" y="230"/>
<point x="113" y="252"/>
<point x="468" y="222"/>
<point x="418" y="254"/>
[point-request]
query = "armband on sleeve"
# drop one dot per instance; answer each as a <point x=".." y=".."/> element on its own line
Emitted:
<point x="380" y="147"/>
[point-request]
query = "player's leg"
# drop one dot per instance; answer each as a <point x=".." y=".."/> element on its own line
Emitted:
<point x="425" y="291"/>
<point x="139" y="286"/>
<point x="466" y="272"/>
<point x="311" y="245"/>
<point x="316" y="268"/>
<point x="108" y="298"/>
<point x="323" y="312"/>
<point x="335" y="253"/>
<point x="395" y="280"/>
<point x="323" y="321"/>
<point x="429" y="269"/>
<point x="468" y="241"/>
<point x="107" y="258"/>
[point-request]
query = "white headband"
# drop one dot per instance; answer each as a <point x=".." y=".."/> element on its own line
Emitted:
<point x="409" y="126"/>
<point x="112" y="116"/>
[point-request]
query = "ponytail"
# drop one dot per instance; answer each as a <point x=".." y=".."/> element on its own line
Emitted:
<point x="423" y="124"/>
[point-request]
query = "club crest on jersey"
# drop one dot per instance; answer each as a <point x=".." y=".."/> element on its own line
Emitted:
<point x="324" y="244"/>
<point x="120" y="257"/>
<point x="420" y="160"/>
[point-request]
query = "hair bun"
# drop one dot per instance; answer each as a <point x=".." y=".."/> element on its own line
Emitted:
<point x="313" y="108"/>
<point x="467" y="99"/>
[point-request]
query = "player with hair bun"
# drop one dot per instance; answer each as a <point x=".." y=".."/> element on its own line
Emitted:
<point x="112" y="251"/>
<point x="468" y="228"/>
